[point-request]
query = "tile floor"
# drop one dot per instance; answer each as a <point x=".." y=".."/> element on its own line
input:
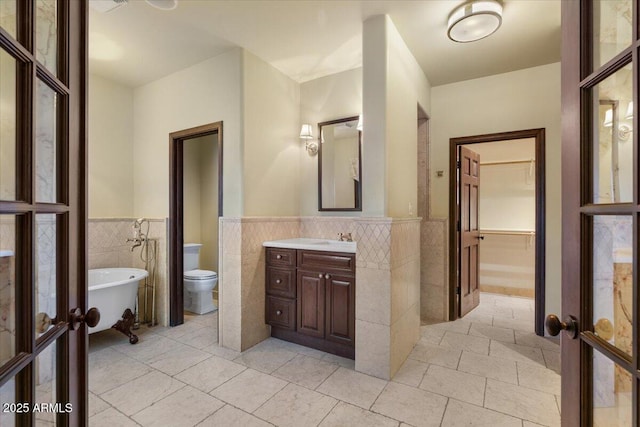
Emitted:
<point x="488" y="369"/>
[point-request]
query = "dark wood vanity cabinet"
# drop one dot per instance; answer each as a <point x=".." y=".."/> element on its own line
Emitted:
<point x="312" y="301"/>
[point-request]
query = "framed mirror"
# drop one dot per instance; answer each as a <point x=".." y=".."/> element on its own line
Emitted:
<point x="339" y="165"/>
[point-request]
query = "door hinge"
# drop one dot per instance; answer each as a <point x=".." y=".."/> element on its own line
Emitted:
<point x="458" y="290"/>
<point x="458" y="225"/>
<point x="458" y="164"/>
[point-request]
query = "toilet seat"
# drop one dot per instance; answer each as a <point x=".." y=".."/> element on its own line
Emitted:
<point x="200" y="275"/>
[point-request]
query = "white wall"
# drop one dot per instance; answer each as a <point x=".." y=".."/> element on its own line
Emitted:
<point x="271" y="118"/>
<point x="111" y="162"/>
<point x="207" y="92"/>
<point x="209" y="202"/>
<point x="191" y="190"/>
<point x="332" y="97"/>
<point x="518" y="100"/>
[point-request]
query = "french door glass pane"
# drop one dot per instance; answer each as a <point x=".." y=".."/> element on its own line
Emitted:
<point x="7" y="288"/>
<point x="47" y="34"/>
<point x="612" y="138"/>
<point x="612" y="29"/>
<point x="46" y="387"/>
<point x="46" y="263"/>
<point x="46" y="143"/>
<point x="612" y="280"/>
<point x="7" y="125"/>
<point x="8" y="16"/>
<point x="8" y="397"/>
<point x="612" y="393"/>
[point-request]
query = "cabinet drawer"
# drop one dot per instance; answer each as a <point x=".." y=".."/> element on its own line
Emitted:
<point x="281" y="312"/>
<point x="281" y="282"/>
<point x="336" y="262"/>
<point x="281" y="257"/>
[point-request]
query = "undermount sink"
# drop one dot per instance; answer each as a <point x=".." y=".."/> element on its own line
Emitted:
<point x="326" y="245"/>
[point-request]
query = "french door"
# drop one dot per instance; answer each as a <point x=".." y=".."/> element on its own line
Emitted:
<point x="43" y="340"/>
<point x="600" y="186"/>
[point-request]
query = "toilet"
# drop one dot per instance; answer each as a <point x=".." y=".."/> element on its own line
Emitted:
<point x="198" y="284"/>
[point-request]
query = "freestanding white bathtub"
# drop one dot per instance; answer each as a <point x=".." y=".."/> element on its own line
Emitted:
<point x="112" y="291"/>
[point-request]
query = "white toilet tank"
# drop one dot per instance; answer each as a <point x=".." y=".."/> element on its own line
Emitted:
<point x="191" y="256"/>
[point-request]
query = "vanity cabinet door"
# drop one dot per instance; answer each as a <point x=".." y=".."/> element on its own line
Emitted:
<point x="311" y="303"/>
<point x="340" y="300"/>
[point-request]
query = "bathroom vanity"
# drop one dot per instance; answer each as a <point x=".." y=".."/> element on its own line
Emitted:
<point x="310" y="293"/>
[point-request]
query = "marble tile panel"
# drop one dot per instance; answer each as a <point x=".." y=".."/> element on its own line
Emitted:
<point x="515" y="352"/>
<point x="492" y="332"/>
<point x="411" y="372"/>
<point x="228" y="416"/>
<point x="111" y="417"/>
<point x="220" y="351"/>
<point x="341" y="361"/>
<point x="520" y="325"/>
<point x="306" y="371"/>
<point x="352" y="387"/>
<point x="249" y="390"/>
<point x="437" y="355"/>
<point x="210" y="373"/>
<point x="186" y="407"/>
<point x="142" y="392"/>
<point x="464" y="342"/>
<point x="178" y="359"/>
<point x="373" y="349"/>
<point x="344" y="414"/>
<point x="522" y="402"/>
<point x="266" y="357"/>
<point x="489" y="366"/>
<point x="110" y="369"/>
<point x="459" y="326"/>
<point x="96" y="405"/>
<point x="431" y="335"/>
<point x="410" y="405"/>
<point x="451" y="383"/>
<point x="373" y="296"/>
<point x="532" y="340"/>
<point x="460" y="414"/>
<point x="295" y="406"/>
<point x="538" y="378"/>
<point x="200" y="338"/>
<point x="148" y="347"/>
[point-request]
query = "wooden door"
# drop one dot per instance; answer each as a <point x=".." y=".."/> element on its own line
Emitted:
<point x="469" y="233"/>
<point x="311" y="303"/>
<point x="340" y="314"/>
<point x="599" y="350"/>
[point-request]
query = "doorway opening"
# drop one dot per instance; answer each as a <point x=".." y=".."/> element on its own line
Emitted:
<point x="507" y="217"/>
<point x="195" y="205"/>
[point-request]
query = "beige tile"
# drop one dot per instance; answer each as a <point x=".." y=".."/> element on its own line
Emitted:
<point x="515" y="352"/>
<point x="342" y="361"/>
<point x="148" y="347"/>
<point x="411" y="405"/>
<point x="374" y="296"/>
<point x="186" y="407"/>
<point x="464" y="342"/>
<point x="228" y="416"/>
<point x="295" y="406"/>
<point x="431" y="335"/>
<point x="306" y="371"/>
<point x="110" y="418"/>
<point x="109" y="369"/>
<point x="460" y="326"/>
<point x="436" y="355"/>
<point x="538" y="378"/>
<point x="411" y="372"/>
<point x="526" y="423"/>
<point x="521" y="325"/>
<point x="489" y="367"/>
<point x="142" y="392"/>
<point x="479" y="318"/>
<point x="552" y="359"/>
<point x="373" y="343"/>
<point x="460" y="414"/>
<point x="522" y="402"/>
<point x="218" y="350"/>
<point x="210" y="373"/>
<point x="249" y="390"/>
<point x="266" y="357"/>
<point x="200" y="338"/>
<point x="459" y="385"/>
<point x="96" y="405"/>
<point x="343" y="415"/>
<point x="178" y="359"/>
<point x="492" y="332"/>
<point x="353" y="387"/>
<point x="532" y="340"/>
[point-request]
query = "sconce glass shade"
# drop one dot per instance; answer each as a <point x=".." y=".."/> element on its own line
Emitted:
<point x="163" y="4"/>
<point x="608" y="118"/>
<point x="359" y="126"/>
<point x="629" y="114"/>
<point x="306" y="132"/>
<point x="474" y="21"/>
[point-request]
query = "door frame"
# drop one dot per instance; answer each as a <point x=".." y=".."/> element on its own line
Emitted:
<point x="176" y="211"/>
<point x="540" y="263"/>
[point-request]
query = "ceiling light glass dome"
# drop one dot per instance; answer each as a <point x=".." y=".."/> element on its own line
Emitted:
<point x="474" y="21"/>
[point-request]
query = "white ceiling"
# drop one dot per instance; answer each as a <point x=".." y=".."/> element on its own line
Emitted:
<point x="136" y="43"/>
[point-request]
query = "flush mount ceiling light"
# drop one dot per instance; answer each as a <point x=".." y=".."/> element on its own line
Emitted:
<point x="474" y="21"/>
<point x="163" y="4"/>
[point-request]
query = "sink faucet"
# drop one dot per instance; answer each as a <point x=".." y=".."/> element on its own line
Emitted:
<point x="345" y="237"/>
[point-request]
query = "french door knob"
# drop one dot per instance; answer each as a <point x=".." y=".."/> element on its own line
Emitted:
<point x="91" y="318"/>
<point x="554" y="325"/>
<point x="327" y="276"/>
<point x="320" y="276"/>
<point x="43" y="321"/>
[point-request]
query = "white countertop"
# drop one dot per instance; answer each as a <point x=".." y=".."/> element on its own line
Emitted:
<point x="325" y="245"/>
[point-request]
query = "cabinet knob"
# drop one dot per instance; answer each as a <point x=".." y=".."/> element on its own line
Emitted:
<point x="327" y="276"/>
<point x="320" y="275"/>
<point x="278" y="256"/>
<point x="278" y="312"/>
<point x="278" y="281"/>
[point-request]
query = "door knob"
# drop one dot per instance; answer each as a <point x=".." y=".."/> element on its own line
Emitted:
<point x="554" y="325"/>
<point x="481" y="237"/>
<point x="327" y="276"/>
<point x="91" y="318"/>
<point x="43" y="321"/>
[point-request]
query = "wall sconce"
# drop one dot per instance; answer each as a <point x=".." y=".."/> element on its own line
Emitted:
<point x="306" y="134"/>
<point x="624" y="131"/>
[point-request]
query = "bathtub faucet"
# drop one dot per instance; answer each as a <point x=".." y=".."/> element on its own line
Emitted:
<point x="137" y="241"/>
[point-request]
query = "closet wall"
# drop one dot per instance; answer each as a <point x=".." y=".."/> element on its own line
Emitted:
<point x="507" y="216"/>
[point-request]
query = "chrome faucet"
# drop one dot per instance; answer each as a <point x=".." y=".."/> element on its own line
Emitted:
<point x="137" y="241"/>
<point x="138" y="236"/>
<point x="345" y="237"/>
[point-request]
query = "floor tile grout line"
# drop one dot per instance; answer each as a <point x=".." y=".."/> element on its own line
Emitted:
<point x="338" y="401"/>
